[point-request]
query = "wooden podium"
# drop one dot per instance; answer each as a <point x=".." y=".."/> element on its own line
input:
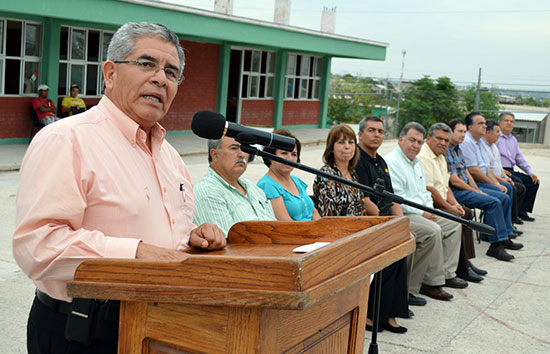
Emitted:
<point x="255" y="296"/>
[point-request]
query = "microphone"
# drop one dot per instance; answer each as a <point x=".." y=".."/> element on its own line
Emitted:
<point x="212" y="125"/>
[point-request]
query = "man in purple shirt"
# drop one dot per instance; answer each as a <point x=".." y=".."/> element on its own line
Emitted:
<point x="511" y="156"/>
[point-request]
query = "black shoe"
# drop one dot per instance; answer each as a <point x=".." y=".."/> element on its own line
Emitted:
<point x="516" y="231"/>
<point x="497" y="251"/>
<point x="477" y="270"/>
<point x="416" y="300"/>
<point x="509" y="245"/>
<point x="369" y="328"/>
<point x="411" y="314"/>
<point x="526" y="217"/>
<point x="517" y="221"/>
<point x="512" y="236"/>
<point x="468" y="274"/>
<point x="393" y="329"/>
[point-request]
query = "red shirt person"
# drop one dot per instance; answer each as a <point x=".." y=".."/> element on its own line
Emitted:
<point x="44" y="107"/>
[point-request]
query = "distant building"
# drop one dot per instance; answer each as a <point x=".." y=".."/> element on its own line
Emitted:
<point x="532" y="124"/>
<point x="256" y="72"/>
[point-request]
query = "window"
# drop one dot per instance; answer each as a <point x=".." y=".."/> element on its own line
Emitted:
<point x="258" y="74"/>
<point x="303" y="77"/>
<point x="81" y="53"/>
<point x="20" y="52"/>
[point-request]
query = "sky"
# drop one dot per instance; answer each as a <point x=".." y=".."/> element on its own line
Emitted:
<point x="509" y="40"/>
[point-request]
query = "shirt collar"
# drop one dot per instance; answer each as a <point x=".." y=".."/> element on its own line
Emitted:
<point x="128" y="127"/>
<point x="404" y="157"/>
<point x="215" y="175"/>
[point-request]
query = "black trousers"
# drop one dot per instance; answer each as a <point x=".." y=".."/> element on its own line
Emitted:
<point x="531" y="190"/>
<point x="46" y="334"/>
<point x="519" y="197"/>
<point x="467" y="248"/>
<point x="394" y="294"/>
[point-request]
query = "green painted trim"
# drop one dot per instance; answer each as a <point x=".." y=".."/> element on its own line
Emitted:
<point x="14" y="141"/>
<point x="223" y="78"/>
<point x="323" y="95"/>
<point x="50" y="56"/>
<point x="179" y="132"/>
<point x="279" y="89"/>
<point x="300" y="126"/>
<point x="110" y="14"/>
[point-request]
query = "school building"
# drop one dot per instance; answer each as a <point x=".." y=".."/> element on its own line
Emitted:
<point x="255" y="72"/>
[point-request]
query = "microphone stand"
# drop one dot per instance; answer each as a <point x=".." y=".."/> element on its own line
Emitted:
<point x="383" y="197"/>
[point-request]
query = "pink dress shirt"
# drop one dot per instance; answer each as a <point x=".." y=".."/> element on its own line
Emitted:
<point x="91" y="188"/>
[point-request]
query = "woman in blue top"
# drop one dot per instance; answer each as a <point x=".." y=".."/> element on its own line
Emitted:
<point x="288" y="194"/>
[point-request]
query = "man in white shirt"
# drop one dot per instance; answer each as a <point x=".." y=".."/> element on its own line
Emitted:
<point x="426" y="275"/>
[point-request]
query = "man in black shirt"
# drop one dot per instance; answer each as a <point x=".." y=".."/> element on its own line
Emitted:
<point x="371" y="166"/>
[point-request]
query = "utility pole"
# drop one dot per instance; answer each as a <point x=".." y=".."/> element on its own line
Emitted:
<point x="404" y="52"/>
<point x="478" y="87"/>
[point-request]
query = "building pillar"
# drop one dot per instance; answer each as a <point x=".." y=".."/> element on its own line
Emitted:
<point x="50" y="56"/>
<point x="325" y="90"/>
<point x="223" y="78"/>
<point x="279" y="89"/>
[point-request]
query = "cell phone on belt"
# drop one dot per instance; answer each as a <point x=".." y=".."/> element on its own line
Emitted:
<point x="81" y="321"/>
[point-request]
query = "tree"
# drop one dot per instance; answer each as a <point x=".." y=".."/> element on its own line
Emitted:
<point x="427" y="101"/>
<point x="351" y="98"/>
<point x="488" y="101"/>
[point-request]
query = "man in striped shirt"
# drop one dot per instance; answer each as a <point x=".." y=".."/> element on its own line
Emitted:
<point x="222" y="196"/>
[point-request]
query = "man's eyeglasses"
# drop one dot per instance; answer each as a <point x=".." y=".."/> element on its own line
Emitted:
<point x="149" y="66"/>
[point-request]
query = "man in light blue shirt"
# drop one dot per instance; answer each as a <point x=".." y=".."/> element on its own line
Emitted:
<point x="478" y="163"/>
<point x="429" y="269"/>
<point x="222" y="196"/>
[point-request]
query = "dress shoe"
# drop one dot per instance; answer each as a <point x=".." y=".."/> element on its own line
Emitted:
<point x="416" y="300"/>
<point x="468" y="274"/>
<point x="497" y="251"/>
<point x="526" y="217"/>
<point x="510" y="245"/>
<point x="517" y="221"/>
<point x="456" y="283"/>
<point x="512" y="236"/>
<point x="516" y="231"/>
<point x="435" y="292"/>
<point x="389" y="327"/>
<point x="369" y="328"/>
<point x="411" y="314"/>
<point x="477" y="270"/>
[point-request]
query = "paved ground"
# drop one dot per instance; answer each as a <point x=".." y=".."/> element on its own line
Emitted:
<point x="506" y="313"/>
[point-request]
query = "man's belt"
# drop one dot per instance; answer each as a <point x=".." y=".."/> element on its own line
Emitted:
<point x="63" y="307"/>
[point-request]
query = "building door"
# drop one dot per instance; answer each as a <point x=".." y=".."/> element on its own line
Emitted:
<point x="233" y="92"/>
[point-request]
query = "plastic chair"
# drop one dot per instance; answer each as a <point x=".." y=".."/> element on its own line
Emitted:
<point x="35" y="123"/>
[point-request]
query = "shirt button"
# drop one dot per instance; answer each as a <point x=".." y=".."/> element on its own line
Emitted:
<point x="173" y="221"/>
<point x="164" y="189"/>
<point x="133" y="142"/>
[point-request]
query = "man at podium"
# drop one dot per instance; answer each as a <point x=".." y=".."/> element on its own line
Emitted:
<point x="106" y="185"/>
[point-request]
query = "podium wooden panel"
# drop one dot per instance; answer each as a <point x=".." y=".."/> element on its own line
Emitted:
<point x="255" y="296"/>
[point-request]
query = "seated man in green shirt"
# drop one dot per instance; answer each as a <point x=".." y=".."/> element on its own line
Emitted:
<point x="222" y="196"/>
<point x="73" y="104"/>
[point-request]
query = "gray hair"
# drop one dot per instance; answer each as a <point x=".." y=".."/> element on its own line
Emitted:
<point x="504" y="114"/>
<point x="123" y="43"/>
<point x="412" y="125"/>
<point x="439" y="126"/>
<point x="214" y="144"/>
<point x="363" y="122"/>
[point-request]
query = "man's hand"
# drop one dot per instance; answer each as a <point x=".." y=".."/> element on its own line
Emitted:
<point x="429" y="216"/>
<point x="507" y="173"/>
<point x="207" y="236"/>
<point x="534" y="178"/>
<point x="502" y="188"/>
<point x="153" y="253"/>
<point x="509" y="180"/>
<point x="456" y="210"/>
